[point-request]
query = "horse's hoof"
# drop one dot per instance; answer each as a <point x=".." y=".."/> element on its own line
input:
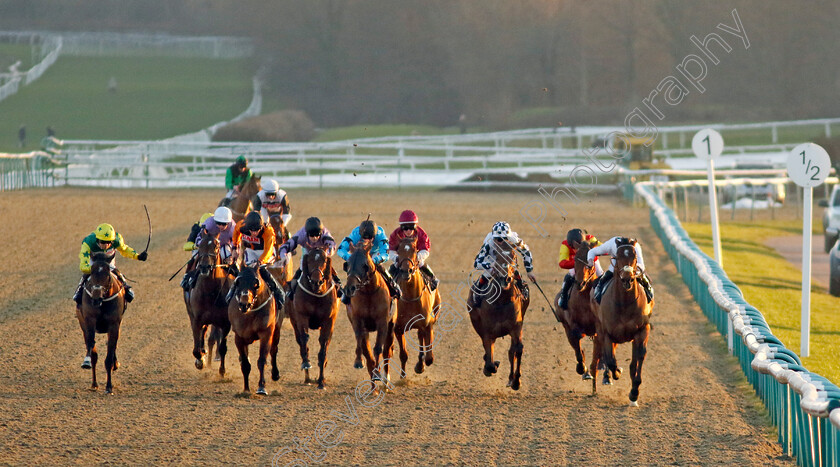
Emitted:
<point x="261" y="391"/>
<point x="222" y="372"/>
<point x="429" y="360"/>
<point x="94" y="387"/>
<point x="418" y="368"/>
<point x="116" y="365"/>
<point x="488" y="371"/>
<point x="587" y="376"/>
<point x="580" y="368"/>
<point x="275" y="374"/>
<point x="634" y="404"/>
<point x="322" y="386"/>
<point x="305" y="366"/>
<point x="86" y="364"/>
<point x="509" y="383"/>
<point x="109" y="392"/>
<point x="217" y="358"/>
<point x="515" y="385"/>
<point x="607" y="382"/>
<point x="496" y="364"/>
<point x="199" y="363"/>
<point x="358" y="365"/>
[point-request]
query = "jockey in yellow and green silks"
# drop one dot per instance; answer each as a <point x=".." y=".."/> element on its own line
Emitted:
<point x="105" y="240"/>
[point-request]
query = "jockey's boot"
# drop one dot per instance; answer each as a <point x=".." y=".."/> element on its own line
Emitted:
<point x="602" y="283"/>
<point x="645" y="281"/>
<point x="433" y="281"/>
<point x="565" y="291"/>
<point x="293" y="285"/>
<point x="77" y="297"/>
<point x="523" y="286"/>
<point x="477" y="292"/>
<point x="129" y="294"/>
<point x="393" y="269"/>
<point x="393" y="288"/>
<point x="274" y="286"/>
<point x="337" y="281"/>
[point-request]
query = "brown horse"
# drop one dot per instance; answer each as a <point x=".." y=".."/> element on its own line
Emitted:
<point x="370" y="306"/>
<point x="241" y="204"/>
<point x="206" y="301"/>
<point x="315" y="306"/>
<point x="624" y="316"/>
<point x="253" y="316"/>
<point x="285" y="273"/>
<point x="101" y="311"/>
<point x="579" y="320"/>
<point x="416" y="309"/>
<point x="501" y="313"/>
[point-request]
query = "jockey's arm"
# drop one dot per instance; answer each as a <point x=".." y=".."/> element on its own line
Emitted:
<point x="392" y="256"/>
<point x="527" y="259"/>
<point x="124" y="249"/>
<point x="229" y="179"/>
<point x="84" y="258"/>
<point x="566" y="261"/>
<point x="268" y="243"/>
<point x="602" y="249"/>
<point x="344" y="248"/>
<point x="640" y="261"/>
<point x="422" y="256"/>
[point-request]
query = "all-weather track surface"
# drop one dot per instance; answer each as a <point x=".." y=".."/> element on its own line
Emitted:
<point x="695" y="406"/>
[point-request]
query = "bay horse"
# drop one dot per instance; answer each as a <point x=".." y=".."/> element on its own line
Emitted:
<point x="579" y="319"/>
<point x="285" y="273"/>
<point x="370" y="307"/>
<point x="315" y="306"/>
<point x="253" y="316"/>
<point x="101" y="311"/>
<point x="241" y="204"/>
<point x="416" y="309"/>
<point x="624" y="316"/>
<point x="205" y="302"/>
<point x="501" y="313"/>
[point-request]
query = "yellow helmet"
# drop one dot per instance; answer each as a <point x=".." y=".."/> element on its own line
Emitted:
<point x="106" y="233"/>
<point x="205" y="216"/>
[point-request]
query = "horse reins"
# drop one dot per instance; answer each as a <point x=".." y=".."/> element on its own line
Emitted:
<point x="304" y="269"/>
<point x="99" y="287"/>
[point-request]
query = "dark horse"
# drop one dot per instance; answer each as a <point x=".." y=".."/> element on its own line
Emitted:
<point x="253" y="316"/>
<point x="205" y="302"/>
<point x="370" y="306"/>
<point x="285" y="273"/>
<point x="624" y="316"/>
<point x="579" y="320"/>
<point x="101" y="311"/>
<point x="315" y="306"/>
<point x="241" y="204"/>
<point x="416" y="309"/>
<point x="501" y="313"/>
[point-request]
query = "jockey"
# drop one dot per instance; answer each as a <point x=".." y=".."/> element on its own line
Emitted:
<point x="221" y="224"/>
<point x="409" y="228"/>
<point x="271" y="200"/>
<point x="369" y="231"/>
<point x="237" y="175"/>
<point x="610" y="247"/>
<point x="190" y="245"/>
<point x="257" y="249"/>
<point x="568" y="249"/>
<point x="105" y="239"/>
<point x="486" y="256"/>
<point x="312" y="235"/>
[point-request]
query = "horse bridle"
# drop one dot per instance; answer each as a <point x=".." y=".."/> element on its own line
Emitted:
<point x="629" y="269"/>
<point x="254" y="297"/>
<point x="215" y="254"/>
<point x="413" y="266"/>
<point x="587" y="278"/>
<point x="97" y="288"/>
<point x="322" y="280"/>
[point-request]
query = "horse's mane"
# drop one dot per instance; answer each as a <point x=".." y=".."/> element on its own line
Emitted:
<point x="102" y="256"/>
<point x="248" y="277"/>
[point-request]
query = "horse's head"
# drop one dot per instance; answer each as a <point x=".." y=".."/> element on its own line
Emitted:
<point x="583" y="273"/>
<point x="207" y="257"/>
<point x="360" y="268"/>
<point x="281" y="234"/>
<point x="407" y="257"/>
<point x="625" y="261"/>
<point x="252" y="187"/>
<point x="246" y="287"/>
<point x="317" y="267"/>
<point x="101" y="281"/>
<point x="505" y="263"/>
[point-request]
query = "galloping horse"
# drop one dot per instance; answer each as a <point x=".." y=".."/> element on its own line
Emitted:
<point x="285" y="273"/>
<point x="623" y="316"/>
<point x="579" y="320"/>
<point x="416" y="309"/>
<point x="241" y="204"/>
<point x="205" y="302"/>
<point x="501" y="313"/>
<point x="101" y="311"/>
<point x="253" y="316"/>
<point x="315" y="305"/>
<point x="370" y="306"/>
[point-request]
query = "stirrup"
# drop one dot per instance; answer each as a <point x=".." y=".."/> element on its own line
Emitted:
<point x="129" y="294"/>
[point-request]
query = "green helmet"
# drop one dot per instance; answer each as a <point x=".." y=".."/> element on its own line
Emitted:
<point x="241" y="161"/>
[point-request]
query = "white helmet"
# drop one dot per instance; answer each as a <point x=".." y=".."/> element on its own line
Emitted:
<point x="223" y="215"/>
<point x="270" y="186"/>
<point x="501" y="230"/>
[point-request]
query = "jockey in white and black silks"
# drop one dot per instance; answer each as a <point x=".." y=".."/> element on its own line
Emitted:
<point x="486" y="257"/>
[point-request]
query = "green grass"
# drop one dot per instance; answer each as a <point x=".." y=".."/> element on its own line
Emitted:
<point x="157" y="97"/>
<point x="377" y="131"/>
<point x="772" y="285"/>
<point x="11" y="53"/>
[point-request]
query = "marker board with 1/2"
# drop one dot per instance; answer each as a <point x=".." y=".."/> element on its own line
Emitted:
<point x="808" y="165"/>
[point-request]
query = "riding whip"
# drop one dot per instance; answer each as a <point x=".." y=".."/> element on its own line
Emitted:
<point x="550" y="306"/>
<point x="179" y="269"/>
<point x="149" y="219"/>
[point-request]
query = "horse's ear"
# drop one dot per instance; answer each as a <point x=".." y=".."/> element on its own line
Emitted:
<point x="345" y="266"/>
<point x="351" y="248"/>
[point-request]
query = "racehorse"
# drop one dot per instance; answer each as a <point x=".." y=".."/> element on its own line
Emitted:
<point x="285" y="273"/>
<point x="370" y="306"/>
<point x="315" y="306"/>
<point x="623" y="316"/>
<point x="101" y="311"/>
<point x="501" y="313"/>
<point x="578" y="319"/>
<point x="416" y="309"/>
<point x="205" y="302"/>
<point x="241" y="204"/>
<point x="253" y="316"/>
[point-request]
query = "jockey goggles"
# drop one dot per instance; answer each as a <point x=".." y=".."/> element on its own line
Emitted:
<point x="408" y="226"/>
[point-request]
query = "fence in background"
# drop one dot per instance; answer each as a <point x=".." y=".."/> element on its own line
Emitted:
<point x="33" y="170"/>
<point x="804" y="406"/>
<point x="50" y="49"/>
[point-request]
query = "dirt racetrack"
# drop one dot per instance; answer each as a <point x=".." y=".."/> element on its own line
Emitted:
<point x="695" y="406"/>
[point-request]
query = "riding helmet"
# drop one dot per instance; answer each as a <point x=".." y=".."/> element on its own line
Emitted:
<point x="105" y="233"/>
<point x="574" y="235"/>
<point x="270" y="187"/>
<point x="223" y="215"/>
<point x="501" y="229"/>
<point x="367" y="229"/>
<point x="241" y="161"/>
<point x="253" y="221"/>
<point x="408" y="217"/>
<point x="314" y="227"/>
<point x="204" y="217"/>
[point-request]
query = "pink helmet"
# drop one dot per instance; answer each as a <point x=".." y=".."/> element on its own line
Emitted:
<point x="408" y="217"/>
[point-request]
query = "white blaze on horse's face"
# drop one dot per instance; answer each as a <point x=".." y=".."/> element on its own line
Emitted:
<point x="317" y="256"/>
<point x="407" y="248"/>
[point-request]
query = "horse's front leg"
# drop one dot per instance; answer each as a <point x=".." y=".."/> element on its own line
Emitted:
<point x="91" y="355"/>
<point x="111" y="357"/>
<point x="428" y="335"/>
<point x="490" y="366"/>
<point x="275" y="341"/>
<point x="199" y="333"/>
<point x="324" y="339"/>
<point x="574" y="336"/>
<point x="515" y="357"/>
<point x="222" y="350"/>
<point x="244" y="362"/>
<point x="265" y="346"/>
<point x="302" y="339"/>
<point x="387" y="353"/>
<point x="639" y="353"/>
<point x="597" y="357"/>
